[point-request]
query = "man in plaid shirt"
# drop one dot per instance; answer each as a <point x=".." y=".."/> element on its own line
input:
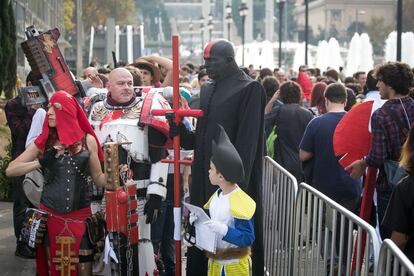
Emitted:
<point x="394" y="82"/>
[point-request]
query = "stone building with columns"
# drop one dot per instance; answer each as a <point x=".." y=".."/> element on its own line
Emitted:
<point x="207" y="20"/>
<point x="341" y="14"/>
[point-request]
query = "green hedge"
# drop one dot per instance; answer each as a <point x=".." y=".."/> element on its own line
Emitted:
<point x="5" y="182"/>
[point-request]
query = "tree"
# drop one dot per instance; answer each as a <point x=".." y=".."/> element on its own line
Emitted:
<point x="321" y="35"/>
<point x="292" y="24"/>
<point x="2" y="68"/>
<point x="258" y="16"/>
<point x="96" y="12"/>
<point x="333" y="31"/>
<point x="8" y="49"/>
<point x="68" y="7"/>
<point x="151" y="11"/>
<point x="356" y="27"/>
<point x="236" y="17"/>
<point x="378" y="31"/>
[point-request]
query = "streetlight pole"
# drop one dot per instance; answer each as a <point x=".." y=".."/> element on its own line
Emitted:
<point x="228" y="19"/>
<point x="281" y="5"/>
<point x="356" y="20"/>
<point x="357" y="13"/>
<point x="306" y="30"/>
<point x="202" y="37"/>
<point x="79" y="38"/>
<point x="210" y="26"/>
<point x="243" y="9"/>
<point x="190" y="29"/>
<point x="399" y="28"/>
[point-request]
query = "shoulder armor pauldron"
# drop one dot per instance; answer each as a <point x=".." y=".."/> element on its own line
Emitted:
<point x="99" y="112"/>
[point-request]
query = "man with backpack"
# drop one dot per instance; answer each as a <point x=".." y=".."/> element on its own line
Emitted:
<point x="288" y="122"/>
<point x="389" y="125"/>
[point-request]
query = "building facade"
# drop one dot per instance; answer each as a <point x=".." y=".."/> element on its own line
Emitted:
<point x="341" y="14"/>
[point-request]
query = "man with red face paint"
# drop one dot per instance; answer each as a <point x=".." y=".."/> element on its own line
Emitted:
<point x="235" y="101"/>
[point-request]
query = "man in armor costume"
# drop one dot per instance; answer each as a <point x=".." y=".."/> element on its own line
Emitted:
<point x="125" y="118"/>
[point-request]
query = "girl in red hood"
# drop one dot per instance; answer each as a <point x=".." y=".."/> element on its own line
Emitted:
<point x="68" y="152"/>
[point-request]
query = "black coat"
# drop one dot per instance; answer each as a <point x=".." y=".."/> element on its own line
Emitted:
<point x="237" y="103"/>
<point x="291" y="121"/>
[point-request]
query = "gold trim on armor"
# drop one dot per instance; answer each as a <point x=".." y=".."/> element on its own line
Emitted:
<point x="99" y="112"/>
<point x="134" y="112"/>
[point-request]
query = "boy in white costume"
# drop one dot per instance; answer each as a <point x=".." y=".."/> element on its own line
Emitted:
<point x="231" y="211"/>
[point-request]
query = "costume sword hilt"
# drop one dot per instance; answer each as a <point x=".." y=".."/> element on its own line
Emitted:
<point x="111" y="165"/>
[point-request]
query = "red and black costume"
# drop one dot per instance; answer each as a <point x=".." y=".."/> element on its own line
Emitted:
<point x="67" y="193"/>
<point x="233" y="100"/>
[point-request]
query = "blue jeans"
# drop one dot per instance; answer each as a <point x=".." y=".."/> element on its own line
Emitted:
<point x="162" y="236"/>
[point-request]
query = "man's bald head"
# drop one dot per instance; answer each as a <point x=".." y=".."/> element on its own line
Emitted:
<point x="119" y="72"/>
<point x="120" y="85"/>
<point x="90" y="72"/>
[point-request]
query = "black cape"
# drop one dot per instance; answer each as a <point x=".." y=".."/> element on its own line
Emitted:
<point x="237" y="103"/>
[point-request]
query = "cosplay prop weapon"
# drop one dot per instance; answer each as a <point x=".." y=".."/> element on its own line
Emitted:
<point x="48" y="64"/>
<point x="176" y="115"/>
<point x="116" y="197"/>
<point x="120" y="206"/>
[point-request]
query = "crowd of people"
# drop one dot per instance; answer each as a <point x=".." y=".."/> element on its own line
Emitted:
<point x="314" y="141"/>
<point x="247" y="113"/>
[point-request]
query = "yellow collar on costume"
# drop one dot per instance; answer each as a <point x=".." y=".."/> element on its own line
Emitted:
<point x="242" y="206"/>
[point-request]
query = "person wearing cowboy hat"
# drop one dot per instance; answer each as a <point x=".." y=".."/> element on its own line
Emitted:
<point x="151" y="74"/>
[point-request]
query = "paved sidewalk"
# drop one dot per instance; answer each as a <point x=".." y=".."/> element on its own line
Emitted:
<point x="10" y="264"/>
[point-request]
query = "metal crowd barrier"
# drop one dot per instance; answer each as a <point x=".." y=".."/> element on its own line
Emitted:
<point x="279" y="197"/>
<point x="392" y="261"/>
<point x="328" y="238"/>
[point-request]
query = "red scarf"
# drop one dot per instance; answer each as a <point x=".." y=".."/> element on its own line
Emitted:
<point x="112" y="102"/>
<point x="71" y="123"/>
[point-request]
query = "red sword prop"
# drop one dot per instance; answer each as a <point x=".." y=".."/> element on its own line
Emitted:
<point x="365" y="214"/>
<point x="177" y="114"/>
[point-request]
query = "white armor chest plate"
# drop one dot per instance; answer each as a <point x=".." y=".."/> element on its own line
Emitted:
<point x="121" y="130"/>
